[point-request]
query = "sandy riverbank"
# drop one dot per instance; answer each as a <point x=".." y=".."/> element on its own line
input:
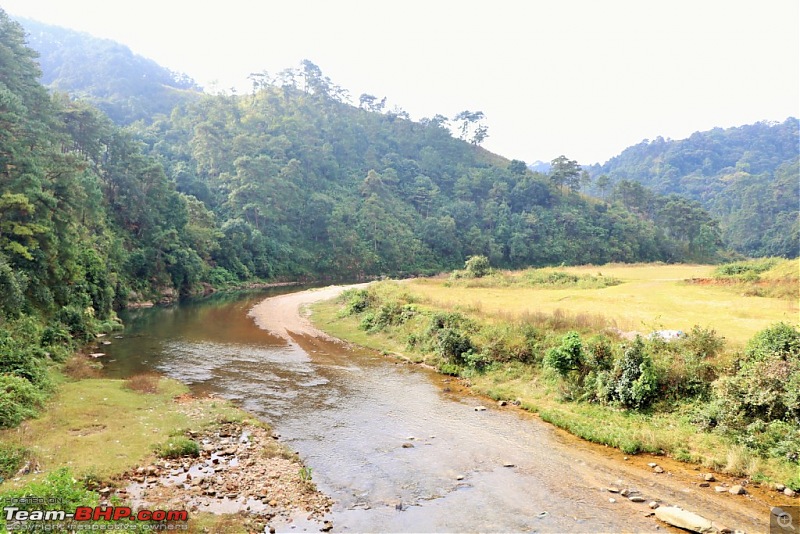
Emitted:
<point x="285" y="315"/>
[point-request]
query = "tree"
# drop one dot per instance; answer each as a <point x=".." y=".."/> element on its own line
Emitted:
<point x="470" y="122"/>
<point x="565" y="172"/>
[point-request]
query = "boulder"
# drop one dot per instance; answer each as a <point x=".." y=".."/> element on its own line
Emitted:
<point x="737" y="490"/>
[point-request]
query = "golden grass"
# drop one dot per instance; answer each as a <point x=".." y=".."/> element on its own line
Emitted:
<point x="652" y="296"/>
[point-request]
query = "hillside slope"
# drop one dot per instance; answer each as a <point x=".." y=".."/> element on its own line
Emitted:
<point x="747" y="177"/>
<point x="125" y="86"/>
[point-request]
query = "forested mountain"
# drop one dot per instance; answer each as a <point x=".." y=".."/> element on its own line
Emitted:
<point x="747" y="177"/>
<point x="126" y="86"/>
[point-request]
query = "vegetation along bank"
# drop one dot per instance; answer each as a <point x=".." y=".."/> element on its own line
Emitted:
<point x="589" y="344"/>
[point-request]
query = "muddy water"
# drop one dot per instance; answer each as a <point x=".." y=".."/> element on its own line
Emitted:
<point x="349" y="413"/>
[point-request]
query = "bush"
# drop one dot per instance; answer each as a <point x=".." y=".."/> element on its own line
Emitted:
<point x="11" y="458"/>
<point x="566" y="357"/>
<point x="477" y="266"/>
<point x="178" y="447"/>
<point x="59" y="490"/>
<point x="19" y="400"/>
<point x="766" y="385"/>
<point x="634" y="383"/>
<point x="76" y="322"/>
<point x="452" y="345"/>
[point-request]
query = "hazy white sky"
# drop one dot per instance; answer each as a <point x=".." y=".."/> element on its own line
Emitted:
<point x="584" y="78"/>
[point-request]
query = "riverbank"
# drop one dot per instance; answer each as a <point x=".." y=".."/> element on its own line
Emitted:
<point x="147" y="442"/>
<point x="513" y="384"/>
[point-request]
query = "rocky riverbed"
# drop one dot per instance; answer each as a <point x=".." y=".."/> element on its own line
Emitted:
<point x="240" y="469"/>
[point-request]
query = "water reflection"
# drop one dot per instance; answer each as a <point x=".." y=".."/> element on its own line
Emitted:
<point x="385" y="440"/>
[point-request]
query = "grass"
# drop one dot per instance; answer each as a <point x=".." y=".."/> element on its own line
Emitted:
<point x="101" y="427"/>
<point x="650" y="297"/>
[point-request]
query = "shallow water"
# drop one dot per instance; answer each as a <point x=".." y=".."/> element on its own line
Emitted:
<point x="349" y="412"/>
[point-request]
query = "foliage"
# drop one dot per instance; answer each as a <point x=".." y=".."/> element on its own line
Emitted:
<point x="11" y="458"/>
<point x="746" y="177"/>
<point x="19" y="399"/>
<point x="477" y="266"/>
<point x="566" y="357"/>
<point x="633" y="383"/>
<point x="59" y="490"/>
<point x="178" y="447"/>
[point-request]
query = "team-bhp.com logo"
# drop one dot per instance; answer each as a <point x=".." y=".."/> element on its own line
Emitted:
<point x="19" y="519"/>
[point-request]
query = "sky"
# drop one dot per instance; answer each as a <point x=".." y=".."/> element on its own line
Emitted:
<point x="582" y="78"/>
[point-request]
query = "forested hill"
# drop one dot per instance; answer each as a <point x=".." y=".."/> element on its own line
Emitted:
<point x="747" y="177"/>
<point x="126" y="86"/>
<point x="289" y="181"/>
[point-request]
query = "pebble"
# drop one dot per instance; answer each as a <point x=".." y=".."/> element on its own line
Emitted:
<point x="460" y="477"/>
<point x="613" y="489"/>
<point x="708" y="477"/>
<point x="612" y="500"/>
<point x="653" y="505"/>
<point x="480" y="408"/>
<point x="789" y="492"/>
<point x="720" y="489"/>
<point x="652" y="464"/>
<point x="658" y="469"/>
<point x="636" y="498"/>
<point x="508" y="464"/>
<point x="780" y="487"/>
<point x="704" y="484"/>
<point x="408" y="445"/>
<point x="501" y="403"/>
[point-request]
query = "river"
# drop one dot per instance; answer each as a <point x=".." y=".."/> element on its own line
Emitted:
<point x="399" y="448"/>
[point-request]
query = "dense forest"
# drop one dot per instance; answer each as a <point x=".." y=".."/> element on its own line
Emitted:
<point x="746" y="177"/>
<point x="125" y="86"/>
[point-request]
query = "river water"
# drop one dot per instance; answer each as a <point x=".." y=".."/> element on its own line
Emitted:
<point x="348" y="412"/>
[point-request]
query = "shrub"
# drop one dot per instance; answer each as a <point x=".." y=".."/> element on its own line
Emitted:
<point x="477" y="266"/>
<point x="76" y="322"/>
<point x="357" y="300"/>
<point x="766" y="385"/>
<point x="636" y="383"/>
<point x="178" y="447"/>
<point x="11" y="458"/>
<point x="452" y="345"/>
<point x="59" y="490"/>
<point x="566" y="357"/>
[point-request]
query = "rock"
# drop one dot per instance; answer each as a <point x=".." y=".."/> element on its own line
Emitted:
<point x="460" y="477"/>
<point x="271" y="530"/>
<point x="789" y="492"/>
<point x="106" y="343"/>
<point x="408" y="445"/>
<point x="480" y="408"/>
<point x="636" y="498"/>
<point x="612" y="500"/>
<point x="508" y="464"/>
<point x="97" y="354"/>
<point x="502" y="403"/>
<point x="625" y="492"/>
<point x="613" y="489"/>
<point x="327" y="526"/>
<point x="737" y="490"/>
<point x="780" y="487"/>
<point x="720" y="489"/>
<point x="709" y="477"/>
<point x="652" y="464"/>
<point x="99" y="335"/>
<point x="658" y="469"/>
<point x="704" y="484"/>
<point x="273" y="503"/>
<point x="625" y="458"/>
<point x="653" y="505"/>
<point x="680" y="518"/>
